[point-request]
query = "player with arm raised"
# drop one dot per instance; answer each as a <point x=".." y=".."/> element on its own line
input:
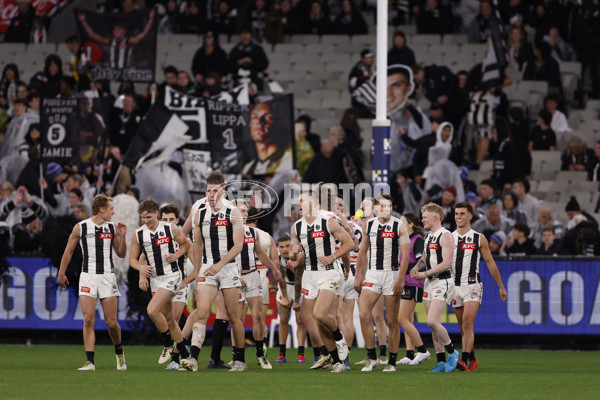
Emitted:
<point x="98" y="237"/>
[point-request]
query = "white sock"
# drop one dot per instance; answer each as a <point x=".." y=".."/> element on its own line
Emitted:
<point x="198" y="334"/>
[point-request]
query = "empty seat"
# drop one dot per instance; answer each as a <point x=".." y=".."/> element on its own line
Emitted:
<point x="326" y="93"/>
<point x="486" y="165"/>
<point x="584" y="186"/>
<point x="321" y="48"/>
<point x="335" y="39"/>
<point x="534" y="86"/>
<point x="545" y="155"/>
<point x="426" y="38"/>
<point x="335" y="103"/>
<point x="572" y="176"/>
<point x="307" y="103"/>
<point x="456" y="39"/>
<point x="184" y="38"/>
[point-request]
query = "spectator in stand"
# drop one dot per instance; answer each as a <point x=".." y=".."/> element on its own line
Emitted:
<point x="75" y="198"/>
<point x="170" y="73"/>
<point x="47" y="82"/>
<point x="479" y="30"/>
<point x="440" y="86"/>
<point x="511" y="9"/>
<point x="542" y="136"/>
<point x="434" y="17"/>
<point x="585" y="33"/>
<point x="327" y="165"/>
<point x="550" y="244"/>
<point x="493" y="221"/>
<point x="185" y="84"/>
<point x="304" y="151"/>
<point x="594" y="165"/>
<point x="560" y="49"/>
<point x="264" y="21"/>
<point x="34" y="136"/>
<point x="511" y="208"/>
<point x="498" y="244"/>
<point x="79" y="64"/>
<point x="316" y="20"/>
<point x="522" y="245"/>
<point x="38" y="31"/>
<point x="167" y="17"/>
<point x="507" y="166"/>
<point x="422" y="146"/>
<point x="544" y="67"/>
<point x="529" y="204"/>
<point x="248" y="61"/>
<point x="81" y="212"/>
<point x="67" y="85"/>
<point x="519" y="50"/>
<point x="21" y="199"/>
<point x="352" y="143"/>
<point x="487" y="192"/>
<point x="19" y="29"/>
<point x="443" y="173"/>
<point x="291" y="17"/>
<point x="27" y="234"/>
<point x="518" y="125"/>
<point x="447" y="202"/>
<point x="400" y="53"/>
<point x="224" y="19"/>
<point x="577" y="156"/>
<point x="313" y="138"/>
<point x="350" y="21"/>
<point x="581" y="237"/>
<point x="362" y="71"/>
<point x="471" y="198"/>
<point x="545" y="220"/>
<point x="559" y="122"/>
<point x="194" y="20"/>
<point x="16" y="131"/>
<point x="124" y="124"/>
<point x="575" y="214"/>
<point x="209" y="58"/>
<point x="8" y="85"/>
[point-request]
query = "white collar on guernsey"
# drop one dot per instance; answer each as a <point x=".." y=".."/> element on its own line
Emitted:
<point x="462" y="236"/>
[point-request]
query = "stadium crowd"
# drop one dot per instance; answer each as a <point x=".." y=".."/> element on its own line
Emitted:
<point x="464" y="126"/>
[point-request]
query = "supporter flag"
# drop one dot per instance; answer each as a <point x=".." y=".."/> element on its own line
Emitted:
<point x="496" y="58"/>
<point x="191" y="110"/>
<point x="119" y="47"/>
<point x="159" y="135"/>
<point x="73" y="132"/>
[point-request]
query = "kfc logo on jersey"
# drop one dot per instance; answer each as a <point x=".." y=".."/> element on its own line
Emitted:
<point x="248" y="240"/>
<point x="367" y="284"/>
<point x="221" y="222"/>
<point x="105" y="235"/>
<point x="305" y="292"/>
<point x="388" y="235"/>
<point x="433" y="246"/>
<point x="453" y="302"/>
<point x="425" y="295"/>
<point x="469" y="246"/>
<point x="85" y="289"/>
<point x="353" y="259"/>
<point x="164" y="240"/>
<point x="201" y="279"/>
<point x="317" y="234"/>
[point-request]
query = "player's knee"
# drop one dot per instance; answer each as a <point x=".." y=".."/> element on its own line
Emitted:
<point x="320" y="315"/>
<point x="392" y="321"/>
<point x="468" y="324"/>
<point x="432" y="322"/>
<point x="364" y="315"/>
<point x="89" y="320"/>
<point x="112" y="323"/>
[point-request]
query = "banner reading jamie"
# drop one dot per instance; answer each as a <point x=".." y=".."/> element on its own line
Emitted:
<point x="30" y="298"/>
<point x="73" y="132"/>
<point x="119" y="47"/>
<point x="544" y="297"/>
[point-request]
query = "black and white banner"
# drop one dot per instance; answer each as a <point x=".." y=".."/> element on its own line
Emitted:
<point x="191" y="110"/>
<point x="119" y="47"/>
<point x="73" y="132"/>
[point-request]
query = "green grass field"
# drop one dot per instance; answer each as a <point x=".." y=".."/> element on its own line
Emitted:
<point x="49" y="372"/>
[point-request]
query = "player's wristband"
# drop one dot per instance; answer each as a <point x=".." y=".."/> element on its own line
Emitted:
<point x="426" y="274"/>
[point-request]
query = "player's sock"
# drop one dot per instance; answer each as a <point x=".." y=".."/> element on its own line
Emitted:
<point x="165" y="339"/>
<point x="195" y="351"/>
<point x="176" y="357"/>
<point x="181" y="350"/>
<point x="259" y="348"/>
<point x="241" y="356"/>
<point x="198" y="336"/>
<point x="324" y="351"/>
<point x="90" y="356"/>
<point x="421" y="349"/>
<point x="235" y="353"/>
<point x="449" y="347"/>
<point x="300" y="350"/>
<point x="410" y="354"/>
<point x="335" y="356"/>
<point x="219" y="331"/>
<point x="316" y="352"/>
<point x="382" y="351"/>
<point x="441" y="357"/>
<point x="472" y="356"/>
<point x="465" y="357"/>
<point x="337" y="335"/>
<point x="282" y="349"/>
<point x="118" y="349"/>
<point x="392" y="359"/>
<point x="371" y="354"/>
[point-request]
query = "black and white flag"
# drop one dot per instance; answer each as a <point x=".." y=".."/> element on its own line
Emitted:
<point x="496" y="57"/>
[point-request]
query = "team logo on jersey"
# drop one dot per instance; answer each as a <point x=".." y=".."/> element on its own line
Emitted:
<point x="388" y="235"/>
<point x="372" y="234"/>
<point x="317" y="234"/>
<point x="221" y="222"/>
<point x="221" y="216"/>
<point x="248" y="240"/>
<point x="468" y="246"/>
<point x="302" y="236"/>
<point x="164" y="240"/>
<point x="387" y="227"/>
<point x="235" y="278"/>
<point x="146" y="244"/>
<point x="89" y="235"/>
<point x="318" y="226"/>
<point x="105" y="235"/>
<point x="468" y="239"/>
<point x="206" y="223"/>
<point x="433" y="246"/>
<point x="85" y="289"/>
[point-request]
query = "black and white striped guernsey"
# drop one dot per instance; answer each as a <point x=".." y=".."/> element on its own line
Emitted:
<point x="246" y="259"/>
<point x="358" y="233"/>
<point x="96" y="243"/>
<point x="316" y="241"/>
<point x="383" y="244"/>
<point x="433" y="252"/>
<point x="216" y="230"/>
<point x="465" y="263"/>
<point x="156" y="246"/>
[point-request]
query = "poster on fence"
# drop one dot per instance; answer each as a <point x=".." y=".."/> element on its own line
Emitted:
<point x="119" y="47"/>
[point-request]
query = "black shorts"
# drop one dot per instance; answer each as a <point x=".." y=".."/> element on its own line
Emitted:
<point x="413" y="293"/>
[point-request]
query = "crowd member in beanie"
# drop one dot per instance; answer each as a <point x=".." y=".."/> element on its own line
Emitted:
<point x="27" y="234"/>
<point x="498" y="243"/>
<point x="362" y="71"/>
<point x="47" y="82"/>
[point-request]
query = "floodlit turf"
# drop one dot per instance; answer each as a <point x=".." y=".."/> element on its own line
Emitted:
<point x="49" y="372"/>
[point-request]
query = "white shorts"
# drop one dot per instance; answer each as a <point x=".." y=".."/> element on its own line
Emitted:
<point x="348" y="291"/>
<point x="264" y="278"/>
<point x="189" y="268"/>
<point x="381" y="282"/>
<point x="228" y="277"/>
<point x="315" y="281"/>
<point x="291" y="291"/>
<point x="438" y="289"/>
<point x="181" y="295"/>
<point x="465" y="293"/>
<point x="340" y="290"/>
<point x="98" y="285"/>
<point x="254" y="287"/>
<point x="170" y="282"/>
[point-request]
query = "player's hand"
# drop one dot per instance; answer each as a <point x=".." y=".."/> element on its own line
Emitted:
<point x="285" y="302"/>
<point x="325" y="260"/>
<point x="63" y="281"/>
<point x="273" y="288"/>
<point x="276" y="275"/>
<point x="295" y="250"/>
<point x="358" y="284"/>
<point x="503" y="294"/>
<point x="143" y="283"/>
<point x="171" y="257"/>
<point x="398" y="287"/>
<point x="146" y="271"/>
<point x="243" y="282"/>
<point x="213" y="270"/>
<point x="81" y="16"/>
<point x="121" y="229"/>
<point x="296" y="306"/>
<point x="413" y="273"/>
<point x="152" y="13"/>
<point x="292" y="265"/>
